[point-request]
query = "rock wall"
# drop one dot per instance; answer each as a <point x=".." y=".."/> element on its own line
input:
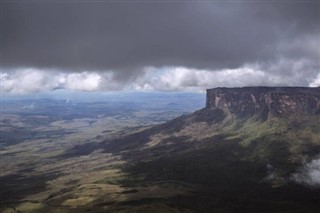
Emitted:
<point x="275" y="100"/>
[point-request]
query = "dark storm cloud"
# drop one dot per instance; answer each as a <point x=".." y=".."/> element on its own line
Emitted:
<point x="127" y="36"/>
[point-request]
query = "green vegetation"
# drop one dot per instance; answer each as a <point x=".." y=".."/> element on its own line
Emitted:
<point x="208" y="161"/>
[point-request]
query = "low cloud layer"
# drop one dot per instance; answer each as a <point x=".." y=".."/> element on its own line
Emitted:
<point x="31" y="80"/>
<point x="315" y="82"/>
<point x="183" y="45"/>
<point x="25" y="81"/>
<point x="309" y="174"/>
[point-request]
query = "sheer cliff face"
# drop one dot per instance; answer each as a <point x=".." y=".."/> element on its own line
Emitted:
<point x="266" y="100"/>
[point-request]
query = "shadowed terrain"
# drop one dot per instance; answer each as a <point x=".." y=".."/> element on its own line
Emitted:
<point x="235" y="155"/>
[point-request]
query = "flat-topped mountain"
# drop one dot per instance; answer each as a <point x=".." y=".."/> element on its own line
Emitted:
<point x="265" y="100"/>
<point x="254" y="147"/>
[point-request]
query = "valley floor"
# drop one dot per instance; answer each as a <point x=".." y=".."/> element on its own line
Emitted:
<point x="207" y="161"/>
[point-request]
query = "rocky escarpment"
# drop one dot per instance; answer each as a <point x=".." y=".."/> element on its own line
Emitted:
<point x="265" y="100"/>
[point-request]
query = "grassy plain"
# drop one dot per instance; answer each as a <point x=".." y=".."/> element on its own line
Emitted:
<point x="129" y="160"/>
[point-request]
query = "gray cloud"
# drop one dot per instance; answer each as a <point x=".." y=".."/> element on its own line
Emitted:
<point x="309" y="174"/>
<point x="127" y="36"/>
<point x="31" y="80"/>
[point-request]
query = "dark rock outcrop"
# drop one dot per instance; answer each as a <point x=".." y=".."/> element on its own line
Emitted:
<point x="273" y="101"/>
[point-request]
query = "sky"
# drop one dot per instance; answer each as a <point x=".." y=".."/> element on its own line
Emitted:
<point x="150" y="45"/>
